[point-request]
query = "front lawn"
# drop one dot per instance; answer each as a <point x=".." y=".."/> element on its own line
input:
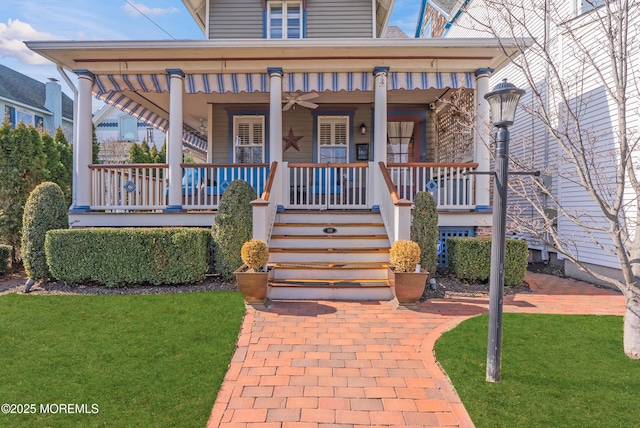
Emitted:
<point x="144" y="360"/>
<point x="557" y="371"/>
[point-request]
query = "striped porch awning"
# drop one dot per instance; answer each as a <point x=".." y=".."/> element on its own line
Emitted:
<point x="259" y="82"/>
<point x="111" y="88"/>
<point x="190" y="137"/>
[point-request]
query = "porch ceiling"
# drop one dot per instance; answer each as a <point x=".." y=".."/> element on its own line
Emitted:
<point x="247" y="56"/>
<point x="195" y="105"/>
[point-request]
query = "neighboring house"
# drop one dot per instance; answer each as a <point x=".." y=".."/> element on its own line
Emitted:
<point x="435" y="18"/>
<point x="307" y="102"/>
<point x="116" y="131"/>
<point x="586" y="96"/>
<point x="23" y="99"/>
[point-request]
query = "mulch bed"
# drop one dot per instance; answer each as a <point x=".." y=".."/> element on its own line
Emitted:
<point x="447" y="286"/>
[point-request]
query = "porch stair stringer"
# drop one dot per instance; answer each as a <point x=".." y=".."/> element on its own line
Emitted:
<point x="325" y="255"/>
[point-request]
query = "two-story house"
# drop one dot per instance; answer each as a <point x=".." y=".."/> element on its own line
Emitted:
<point x="571" y="106"/>
<point x="43" y="105"/>
<point x="330" y="122"/>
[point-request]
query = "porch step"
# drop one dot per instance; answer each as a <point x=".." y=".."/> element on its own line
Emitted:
<point x="349" y="263"/>
<point x="339" y="229"/>
<point x="331" y="290"/>
<point x="329" y="255"/>
<point x="327" y="241"/>
<point x="330" y="271"/>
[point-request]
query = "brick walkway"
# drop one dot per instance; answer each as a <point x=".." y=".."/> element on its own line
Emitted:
<point x="362" y="364"/>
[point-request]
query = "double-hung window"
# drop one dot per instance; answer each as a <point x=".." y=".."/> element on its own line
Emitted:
<point x="284" y="20"/>
<point x="333" y="139"/>
<point x="248" y="139"/>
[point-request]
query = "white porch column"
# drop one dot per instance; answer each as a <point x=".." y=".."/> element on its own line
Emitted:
<point x="174" y="144"/>
<point x="275" y="127"/>
<point x="482" y="139"/>
<point x="83" y="145"/>
<point x="275" y="114"/>
<point x="379" y="128"/>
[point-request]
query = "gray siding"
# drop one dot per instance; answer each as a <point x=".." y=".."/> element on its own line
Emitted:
<point x="243" y="19"/>
<point x="339" y="19"/>
<point x="235" y="19"/>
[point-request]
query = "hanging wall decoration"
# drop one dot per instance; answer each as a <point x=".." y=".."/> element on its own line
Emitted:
<point x="291" y="140"/>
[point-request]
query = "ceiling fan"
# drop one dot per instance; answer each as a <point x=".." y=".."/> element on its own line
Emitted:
<point x="293" y="98"/>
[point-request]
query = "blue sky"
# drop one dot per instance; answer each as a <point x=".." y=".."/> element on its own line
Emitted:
<point x="110" y="20"/>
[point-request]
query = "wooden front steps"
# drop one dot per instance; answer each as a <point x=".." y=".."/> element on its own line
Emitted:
<point x="329" y="256"/>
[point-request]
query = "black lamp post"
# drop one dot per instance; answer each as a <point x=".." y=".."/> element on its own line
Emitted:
<point x="503" y="101"/>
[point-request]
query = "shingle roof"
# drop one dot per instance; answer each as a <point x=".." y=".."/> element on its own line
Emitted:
<point x="445" y="5"/>
<point x="23" y="89"/>
<point x="393" y="32"/>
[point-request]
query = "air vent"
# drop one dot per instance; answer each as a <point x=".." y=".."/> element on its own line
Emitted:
<point x="329" y="230"/>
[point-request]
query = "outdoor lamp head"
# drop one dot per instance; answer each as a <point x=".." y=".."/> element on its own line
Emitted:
<point x="363" y="128"/>
<point x="503" y="101"/>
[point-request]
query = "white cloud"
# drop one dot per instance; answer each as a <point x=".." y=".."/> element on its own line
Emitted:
<point x="131" y="7"/>
<point x="12" y="36"/>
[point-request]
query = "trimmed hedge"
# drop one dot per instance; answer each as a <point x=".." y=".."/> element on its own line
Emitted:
<point x="470" y="259"/>
<point x="45" y="210"/>
<point x="424" y="230"/>
<point x="232" y="227"/>
<point x="5" y="256"/>
<point x="121" y="256"/>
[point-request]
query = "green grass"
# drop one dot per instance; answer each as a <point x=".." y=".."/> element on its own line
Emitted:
<point x="145" y="360"/>
<point x="557" y="371"/>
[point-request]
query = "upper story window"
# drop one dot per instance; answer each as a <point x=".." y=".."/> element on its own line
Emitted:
<point x="248" y="139"/>
<point x="128" y="128"/>
<point x="584" y="6"/>
<point x="284" y="20"/>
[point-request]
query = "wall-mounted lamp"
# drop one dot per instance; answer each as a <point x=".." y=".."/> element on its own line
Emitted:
<point x="363" y="128"/>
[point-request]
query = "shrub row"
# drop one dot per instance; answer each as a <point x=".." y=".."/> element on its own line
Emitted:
<point x="5" y="255"/>
<point x="121" y="256"/>
<point x="470" y="259"/>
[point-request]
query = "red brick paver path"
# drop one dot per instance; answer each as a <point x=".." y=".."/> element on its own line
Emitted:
<point x="363" y="364"/>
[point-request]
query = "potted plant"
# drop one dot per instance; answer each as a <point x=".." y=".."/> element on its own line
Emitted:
<point x="405" y="276"/>
<point x="253" y="277"/>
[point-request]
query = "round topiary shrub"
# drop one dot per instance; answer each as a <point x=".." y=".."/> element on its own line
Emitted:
<point x="45" y="210"/>
<point x="404" y="255"/>
<point x="255" y="254"/>
<point x="424" y="230"/>
<point x="232" y="227"/>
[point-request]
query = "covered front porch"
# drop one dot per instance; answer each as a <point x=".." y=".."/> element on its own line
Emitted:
<point x="355" y="124"/>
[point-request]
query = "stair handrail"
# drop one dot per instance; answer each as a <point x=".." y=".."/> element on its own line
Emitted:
<point x="270" y="179"/>
<point x="396" y="212"/>
<point x="265" y="207"/>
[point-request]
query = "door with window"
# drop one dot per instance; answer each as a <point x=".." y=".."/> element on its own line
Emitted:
<point x="400" y="149"/>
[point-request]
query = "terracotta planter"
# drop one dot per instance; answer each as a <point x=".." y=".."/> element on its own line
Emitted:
<point x="407" y="286"/>
<point x="252" y="285"/>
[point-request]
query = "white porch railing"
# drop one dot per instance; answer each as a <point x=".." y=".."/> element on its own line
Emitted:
<point x="126" y="187"/>
<point x="144" y="187"/>
<point x="327" y="185"/>
<point x="451" y="187"/>
<point x="204" y="184"/>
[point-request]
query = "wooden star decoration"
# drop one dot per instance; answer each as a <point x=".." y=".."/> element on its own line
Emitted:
<point x="291" y="141"/>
